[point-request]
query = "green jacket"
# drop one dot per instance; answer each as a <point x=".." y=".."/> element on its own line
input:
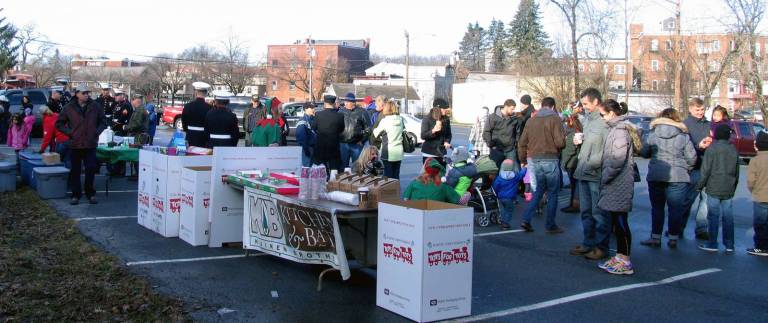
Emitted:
<point x="265" y="135"/>
<point x="590" y="163"/>
<point x="417" y="190"/>
<point x="569" y="155"/>
<point x="138" y="122"/>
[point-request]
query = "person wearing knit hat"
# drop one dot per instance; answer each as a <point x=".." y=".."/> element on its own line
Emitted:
<point x="757" y="183"/>
<point x="506" y="187"/>
<point x="719" y="177"/>
<point x="428" y="185"/>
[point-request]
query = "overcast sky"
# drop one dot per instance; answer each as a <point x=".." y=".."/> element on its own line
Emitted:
<point x="119" y="28"/>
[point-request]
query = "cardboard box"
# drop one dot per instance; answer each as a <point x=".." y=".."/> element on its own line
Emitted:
<point x="346" y="185"/>
<point x="424" y="260"/>
<point x="51" y="158"/>
<point x="383" y="189"/>
<point x="166" y="197"/>
<point x="333" y="185"/>
<point x="195" y="200"/>
<point x="146" y="158"/>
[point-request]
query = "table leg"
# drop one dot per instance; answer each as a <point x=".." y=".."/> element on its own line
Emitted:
<point x="320" y="278"/>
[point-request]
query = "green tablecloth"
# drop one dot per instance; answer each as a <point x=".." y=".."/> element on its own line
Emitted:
<point x="117" y="154"/>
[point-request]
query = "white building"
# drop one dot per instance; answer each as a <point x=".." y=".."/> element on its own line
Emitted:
<point x="429" y="82"/>
<point x="482" y="90"/>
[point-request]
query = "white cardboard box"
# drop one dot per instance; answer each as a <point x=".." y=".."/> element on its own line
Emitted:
<point x="195" y="199"/>
<point x="145" y="186"/>
<point x="425" y="260"/>
<point x="166" y="196"/>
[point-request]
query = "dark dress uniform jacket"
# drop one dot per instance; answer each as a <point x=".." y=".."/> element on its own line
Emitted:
<point x="119" y="119"/>
<point x="108" y="102"/>
<point x="221" y="128"/>
<point x="193" y="121"/>
<point x="330" y="126"/>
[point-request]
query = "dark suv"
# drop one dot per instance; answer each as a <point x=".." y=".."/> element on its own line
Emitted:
<point x="37" y="96"/>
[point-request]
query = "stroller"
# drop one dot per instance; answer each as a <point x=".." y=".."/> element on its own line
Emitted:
<point x="483" y="198"/>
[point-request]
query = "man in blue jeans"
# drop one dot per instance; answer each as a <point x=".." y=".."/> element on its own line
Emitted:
<point x="595" y="223"/>
<point x="357" y="127"/>
<point x="542" y="140"/>
<point x="699" y="131"/>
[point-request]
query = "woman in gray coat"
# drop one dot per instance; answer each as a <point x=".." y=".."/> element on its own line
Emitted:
<point x="617" y="182"/>
<point x="672" y="158"/>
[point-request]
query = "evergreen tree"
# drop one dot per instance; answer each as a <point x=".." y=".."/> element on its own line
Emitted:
<point x="527" y="38"/>
<point x="8" y="50"/>
<point x="496" y="45"/>
<point x="472" y="48"/>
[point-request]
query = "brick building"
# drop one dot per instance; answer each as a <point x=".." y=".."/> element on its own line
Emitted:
<point x="652" y="54"/>
<point x="335" y="61"/>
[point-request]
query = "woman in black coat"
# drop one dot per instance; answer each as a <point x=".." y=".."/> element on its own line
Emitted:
<point x="436" y="132"/>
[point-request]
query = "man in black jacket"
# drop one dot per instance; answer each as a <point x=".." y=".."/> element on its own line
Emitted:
<point x="193" y="116"/>
<point x="82" y="119"/>
<point x="329" y="125"/>
<point x="501" y="132"/>
<point x="357" y="127"/>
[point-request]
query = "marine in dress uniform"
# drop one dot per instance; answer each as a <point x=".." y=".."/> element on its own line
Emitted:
<point x="121" y="114"/>
<point x="193" y="116"/>
<point x="220" y="123"/>
<point x="66" y="96"/>
<point x="106" y="100"/>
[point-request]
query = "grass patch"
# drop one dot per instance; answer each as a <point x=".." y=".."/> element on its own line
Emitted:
<point x="49" y="272"/>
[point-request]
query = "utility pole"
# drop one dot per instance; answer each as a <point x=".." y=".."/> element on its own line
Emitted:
<point x="678" y="61"/>
<point x="627" y="69"/>
<point x="311" y="54"/>
<point x="407" y="67"/>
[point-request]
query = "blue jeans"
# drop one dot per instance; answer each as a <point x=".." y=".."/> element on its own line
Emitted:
<point x="349" y="151"/>
<point x="547" y="174"/>
<point x="507" y="210"/>
<point x="596" y="223"/>
<point x="392" y="169"/>
<point x="701" y="208"/>
<point x="760" y="224"/>
<point x="720" y="208"/>
<point x="63" y="150"/>
<point x="667" y="195"/>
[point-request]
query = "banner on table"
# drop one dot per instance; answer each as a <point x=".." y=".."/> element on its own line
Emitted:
<point x="287" y="228"/>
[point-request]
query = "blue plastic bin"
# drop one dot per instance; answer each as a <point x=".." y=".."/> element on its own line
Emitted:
<point x="26" y="169"/>
<point x="32" y="164"/>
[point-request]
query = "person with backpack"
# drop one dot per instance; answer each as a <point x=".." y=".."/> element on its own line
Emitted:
<point x="390" y="130"/>
<point x="305" y="136"/>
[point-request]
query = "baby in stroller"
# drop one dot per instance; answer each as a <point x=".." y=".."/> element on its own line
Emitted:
<point x="482" y="197"/>
<point x="461" y="173"/>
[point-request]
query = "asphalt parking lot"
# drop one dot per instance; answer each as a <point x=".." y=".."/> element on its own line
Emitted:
<point x="517" y="276"/>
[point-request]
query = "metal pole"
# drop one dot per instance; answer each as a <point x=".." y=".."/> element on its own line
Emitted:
<point x="407" y="67"/>
<point x="678" y="61"/>
<point x="627" y="69"/>
<point x="311" y="50"/>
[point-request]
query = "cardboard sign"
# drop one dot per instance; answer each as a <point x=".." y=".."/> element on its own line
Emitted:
<point x="226" y="212"/>
<point x="425" y="260"/>
<point x="286" y="228"/>
<point x="146" y="158"/>
<point x="166" y="194"/>
<point x="195" y="200"/>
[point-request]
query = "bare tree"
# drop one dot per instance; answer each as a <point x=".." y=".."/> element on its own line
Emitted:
<point x="31" y="43"/>
<point x="577" y="11"/>
<point x="202" y="60"/>
<point x="710" y="63"/>
<point x="170" y="73"/>
<point x="234" y="71"/>
<point x="296" y="74"/>
<point x="748" y="15"/>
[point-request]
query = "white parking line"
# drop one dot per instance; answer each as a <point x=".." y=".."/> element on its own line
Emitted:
<point x="105" y="218"/>
<point x="164" y="261"/>
<point x="497" y="233"/>
<point x="581" y="296"/>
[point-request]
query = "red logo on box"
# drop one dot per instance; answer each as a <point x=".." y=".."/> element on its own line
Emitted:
<point x="158" y="204"/>
<point x="445" y="258"/>
<point x="398" y="253"/>
<point x="144" y="200"/>
<point x="175" y="205"/>
<point x="206" y="202"/>
<point x="188" y="200"/>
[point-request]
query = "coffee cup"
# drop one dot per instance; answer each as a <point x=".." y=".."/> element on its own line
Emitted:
<point x="578" y="137"/>
<point x="362" y="194"/>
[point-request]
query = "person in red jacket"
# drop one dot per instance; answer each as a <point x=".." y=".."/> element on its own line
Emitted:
<point x="56" y="140"/>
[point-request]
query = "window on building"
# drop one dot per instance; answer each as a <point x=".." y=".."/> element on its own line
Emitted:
<point x="757" y="49"/>
<point x="654" y="85"/>
<point x="714" y="65"/>
<point x="292" y="85"/>
<point x="293" y="66"/>
<point x="655" y="65"/>
<point x="619" y="69"/>
<point x="592" y="67"/>
<point x="715" y="45"/>
<point x="732" y="45"/>
<point x="654" y="45"/>
<point x="274" y="63"/>
<point x="669" y="45"/>
<point x="274" y="85"/>
<point x="293" y="51"/>
<point x="581" y="67"/>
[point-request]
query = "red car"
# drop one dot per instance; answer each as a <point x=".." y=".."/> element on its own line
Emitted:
<point x="172" y="115"/>
<point x="744" y="137"/>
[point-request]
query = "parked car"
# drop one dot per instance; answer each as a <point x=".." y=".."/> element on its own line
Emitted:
<point x="744" y="137"/>
<point x="748" y="115"/>
<point x="642" y="124"/>
<point x="292" y="112"/>
<point x="37" y="96"/>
